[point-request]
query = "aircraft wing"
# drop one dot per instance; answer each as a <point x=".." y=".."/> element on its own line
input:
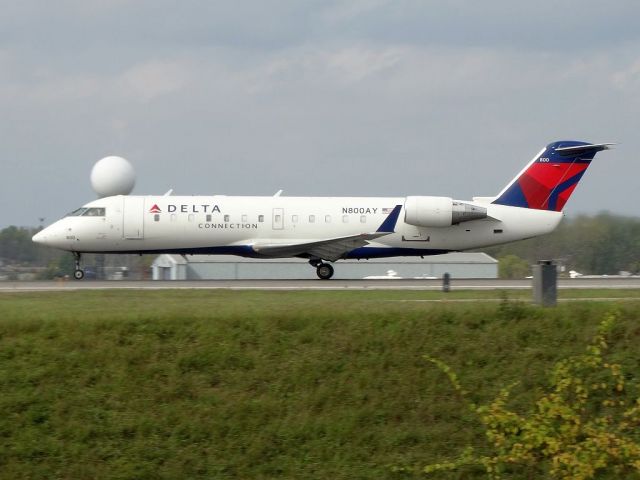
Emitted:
<point x="331" y="249"/>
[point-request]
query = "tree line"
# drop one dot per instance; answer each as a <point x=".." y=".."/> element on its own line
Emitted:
<point x="602" y="244"/>
<point x="18" y="250"/>
<point x="16" y="247"/>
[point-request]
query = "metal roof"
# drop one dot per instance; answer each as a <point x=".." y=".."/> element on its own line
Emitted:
<point x="447" y="258"/>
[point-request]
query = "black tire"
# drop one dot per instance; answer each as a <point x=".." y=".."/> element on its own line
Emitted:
<point x="324" y="271"/>
<point x="78" y="274"/>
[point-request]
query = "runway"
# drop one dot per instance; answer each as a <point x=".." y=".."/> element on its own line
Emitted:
<point x="382" y="284"/>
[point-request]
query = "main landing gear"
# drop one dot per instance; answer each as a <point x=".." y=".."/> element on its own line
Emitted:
<point x="78" y="274"/>
<point x="323" y="270"/>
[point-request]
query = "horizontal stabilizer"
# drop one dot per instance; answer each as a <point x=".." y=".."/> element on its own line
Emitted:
<point x="577" y="149"/>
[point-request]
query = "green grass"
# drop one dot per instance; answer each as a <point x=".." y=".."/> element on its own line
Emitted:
<point x="218" y="384"/>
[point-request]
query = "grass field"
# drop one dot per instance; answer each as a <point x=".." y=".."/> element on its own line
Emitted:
<point x="218" y="384"/>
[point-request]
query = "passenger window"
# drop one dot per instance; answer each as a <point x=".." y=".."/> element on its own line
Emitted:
<point x="363" y="219"/>
<point x="191" y="217"/>
<point x="173" y="217"/>
<point x="244" y="219"/>
<point x="294" y="218"/>
<point x="261" y="218"/>
<point x="345" y="218"/>
<point x="156" y="217"/>
<point x="312" y="218"/>
<point x="226" y="218"/>
<point x="208" y="217"/>
<point x="327" y="218"/>
<point x="277" y="218"/>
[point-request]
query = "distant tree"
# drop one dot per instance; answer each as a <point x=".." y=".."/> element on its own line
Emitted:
<point x="61" y="266"/>
<point x="16" y="246"/>
<point x="600" y="244"/>
<point x="512" y="267"/>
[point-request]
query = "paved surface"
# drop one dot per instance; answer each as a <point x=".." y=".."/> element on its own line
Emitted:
<point x="397" y="284"/>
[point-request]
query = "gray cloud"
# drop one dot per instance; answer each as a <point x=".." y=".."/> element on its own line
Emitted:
<point x="318" y="98"/>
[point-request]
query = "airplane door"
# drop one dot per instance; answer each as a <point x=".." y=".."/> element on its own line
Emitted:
<point x="278" y="218"/>
<point x="133" y="217"/>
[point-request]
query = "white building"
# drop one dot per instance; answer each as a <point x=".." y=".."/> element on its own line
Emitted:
<point x="228" y="267"/>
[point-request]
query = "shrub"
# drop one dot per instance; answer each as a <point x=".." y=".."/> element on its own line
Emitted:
<point x="584" y="423"/>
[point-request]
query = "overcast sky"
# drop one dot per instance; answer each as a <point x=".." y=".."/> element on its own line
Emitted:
<point x="368" y="98"/>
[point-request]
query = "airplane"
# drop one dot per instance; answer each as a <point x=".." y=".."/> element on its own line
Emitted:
<point x="327" y="229"/>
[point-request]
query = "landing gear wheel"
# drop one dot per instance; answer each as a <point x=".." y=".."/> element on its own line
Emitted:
<point x="324" y="271"/>
<point x="79" y="273"/>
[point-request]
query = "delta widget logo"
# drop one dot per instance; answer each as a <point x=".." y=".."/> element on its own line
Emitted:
<point x="155" y="209"/>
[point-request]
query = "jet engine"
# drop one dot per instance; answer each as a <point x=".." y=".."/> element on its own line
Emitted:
<point x="440" y="211"/>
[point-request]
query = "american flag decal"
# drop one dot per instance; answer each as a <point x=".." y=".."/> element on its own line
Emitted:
<point x="387" y="211"/>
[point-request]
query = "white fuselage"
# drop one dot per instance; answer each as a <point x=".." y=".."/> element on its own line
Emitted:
<point x="233" y="225"/>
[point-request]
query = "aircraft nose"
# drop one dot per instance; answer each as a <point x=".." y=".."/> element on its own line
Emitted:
<point x="55" y="235"/>
<point x="39" y="237"/>
<point x="49" y="236"/>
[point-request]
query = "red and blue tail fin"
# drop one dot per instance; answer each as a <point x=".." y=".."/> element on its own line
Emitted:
<point x="548" y="181"/>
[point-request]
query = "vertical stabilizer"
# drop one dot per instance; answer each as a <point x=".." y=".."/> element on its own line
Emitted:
<point x="548" y="181"/>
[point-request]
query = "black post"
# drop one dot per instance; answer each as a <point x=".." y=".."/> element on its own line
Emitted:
<point x="545" y="283"/>
<point x="100" y="266"/>
<point x="446" y="282"/>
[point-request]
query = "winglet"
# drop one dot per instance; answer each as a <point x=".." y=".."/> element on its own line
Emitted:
<point x="389" y="224"/>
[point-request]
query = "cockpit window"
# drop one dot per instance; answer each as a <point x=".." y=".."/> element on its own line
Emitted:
<point x="94" y="212"/>
<point x="78" y="212"/>
<point x="88" y="212"/>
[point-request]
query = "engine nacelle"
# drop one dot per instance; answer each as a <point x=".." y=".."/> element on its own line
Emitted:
<point x="440" y="211"/>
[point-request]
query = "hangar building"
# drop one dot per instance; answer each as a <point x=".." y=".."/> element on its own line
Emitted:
<point x="227" y="267"/>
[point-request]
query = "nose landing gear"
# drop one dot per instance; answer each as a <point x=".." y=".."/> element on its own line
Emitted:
<point x="78" y="274"/>
<point x="323" y="270"/>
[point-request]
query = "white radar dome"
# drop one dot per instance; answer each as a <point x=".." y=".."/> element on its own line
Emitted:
<point x="112" y="176"/>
